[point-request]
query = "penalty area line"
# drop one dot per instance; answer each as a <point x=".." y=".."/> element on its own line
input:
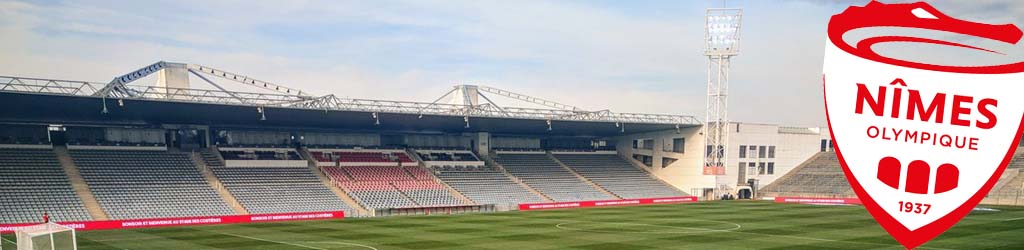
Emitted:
<point x="736" y="231"/>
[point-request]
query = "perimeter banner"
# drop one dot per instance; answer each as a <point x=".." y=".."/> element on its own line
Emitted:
<point x="824" y="201"/>
<point x="187" y="221"/>
<point x="607" y="203"/>
<point x="921" y="144"/>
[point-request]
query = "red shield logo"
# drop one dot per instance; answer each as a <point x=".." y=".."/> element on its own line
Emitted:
<point x="921" y="143"/>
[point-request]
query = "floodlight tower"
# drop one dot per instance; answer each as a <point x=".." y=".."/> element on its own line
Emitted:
<point x="721" y="42"/>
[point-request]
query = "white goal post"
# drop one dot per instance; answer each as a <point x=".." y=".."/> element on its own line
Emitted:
<point x="49" y="236"/>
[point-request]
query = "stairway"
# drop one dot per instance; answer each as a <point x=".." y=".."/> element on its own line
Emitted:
<point x="326" y="181"/>
<point x="79" y="185"/>
<point x="491" y="162"/>
<point x="211" y="157"/>
<point x="204" y="169"/>
<point x="584" y="179"/>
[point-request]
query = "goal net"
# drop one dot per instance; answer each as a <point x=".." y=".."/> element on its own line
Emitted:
<point x="48" y="236"/>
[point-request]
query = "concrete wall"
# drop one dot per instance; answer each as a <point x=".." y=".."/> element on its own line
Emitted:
<point x="687" y="172"/>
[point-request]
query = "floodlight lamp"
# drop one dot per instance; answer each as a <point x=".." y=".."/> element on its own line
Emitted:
<point x="722" y="32"/>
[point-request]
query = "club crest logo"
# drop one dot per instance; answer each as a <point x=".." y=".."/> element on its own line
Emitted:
<point x="920" y="143"/>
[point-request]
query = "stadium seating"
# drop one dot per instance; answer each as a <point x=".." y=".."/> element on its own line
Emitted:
<point x="1018" y="161"/>
<point x="448" y="156"/>
<point x="148" y="184"/>
<point x="259" y="155"/>
<point x="377" y="194"/>
<point x="115" y="144"/>
<point x="363" y="157"/>
<point x="426" y="191"/>
<point x="24" y="140"/>
<point x="617" y="176"/>
<point x="1010" y="191"/>
<point x="546" y="176"/>
<point x="392" y="187"/>
<point x="321" y="156"/>
<point x="822" y="176"/>
<point x="263" y="190"/>
<point x="32" y="182"/>
<point x="485" y="185"/>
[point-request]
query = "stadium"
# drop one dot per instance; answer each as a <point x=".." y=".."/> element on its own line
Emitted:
<point x="179" y="155"/>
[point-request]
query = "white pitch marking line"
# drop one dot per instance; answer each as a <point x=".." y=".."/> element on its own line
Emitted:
<point x="342" y="243"/>
<point x="832" y="240"/>
<point x="271" y="241"/>
<point x="12" y="242"/>
<point x="695" y="229"/>
<point x="127" y="239"/>
<point x="1021" y="218"/>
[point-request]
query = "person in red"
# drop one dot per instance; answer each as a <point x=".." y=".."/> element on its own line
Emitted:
<point x="46" y="217"/>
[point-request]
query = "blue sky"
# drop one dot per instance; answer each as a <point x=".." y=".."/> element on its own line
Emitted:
<point x="627" y="56"/>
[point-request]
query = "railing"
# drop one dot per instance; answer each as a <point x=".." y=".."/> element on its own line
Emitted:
<point x="442" y="210"/>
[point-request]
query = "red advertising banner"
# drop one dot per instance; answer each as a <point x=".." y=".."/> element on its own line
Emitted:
<point x="188" y="221"/>
<point x="827" y="201"/>
<point x="607" y="203"/>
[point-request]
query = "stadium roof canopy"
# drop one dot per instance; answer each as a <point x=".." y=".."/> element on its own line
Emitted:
<point x="35" y="100"/>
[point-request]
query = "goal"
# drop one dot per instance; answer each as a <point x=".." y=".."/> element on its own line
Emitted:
<point x="49" y="236"/>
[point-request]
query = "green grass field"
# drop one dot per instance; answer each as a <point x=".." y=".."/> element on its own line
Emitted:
<point x="706" y="225"/>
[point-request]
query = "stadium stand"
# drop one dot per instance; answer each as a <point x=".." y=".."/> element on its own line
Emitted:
<point x="115" y="144"/>
<point x="259" y="155"/>
<point x="264" y="190"/>
<point x="819" y="176"/>
<point x="147" y="184"/>
<point x="392" y="187"/>
<point x="349" y="158"/>
<point x="372" y="157"/>
<point x="32" y="182"/>
<point x="618" y="176"/>
<point x="9" y="140"/>
<point x="447" y="156"/>
<point x="211" y="158"/>
<point x="426" y="190"/>
<point x="485" y="185"/>
<point x="822" y="176"/>
<point x="1010" y="188"/>
<point x="1018" y="160"/>
<point x="546" y="176"/>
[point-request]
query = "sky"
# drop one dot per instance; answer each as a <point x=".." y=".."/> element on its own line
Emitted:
<point x="626" y="56"/>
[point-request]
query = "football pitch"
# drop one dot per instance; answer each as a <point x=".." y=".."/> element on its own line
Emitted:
<point x="705" y="225"/>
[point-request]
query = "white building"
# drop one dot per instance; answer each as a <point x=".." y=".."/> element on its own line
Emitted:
<point x="759" y="152"/>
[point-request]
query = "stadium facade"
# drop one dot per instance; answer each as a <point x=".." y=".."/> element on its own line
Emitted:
<point x="88" y="151"/>
<point x="758" y="154"/>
